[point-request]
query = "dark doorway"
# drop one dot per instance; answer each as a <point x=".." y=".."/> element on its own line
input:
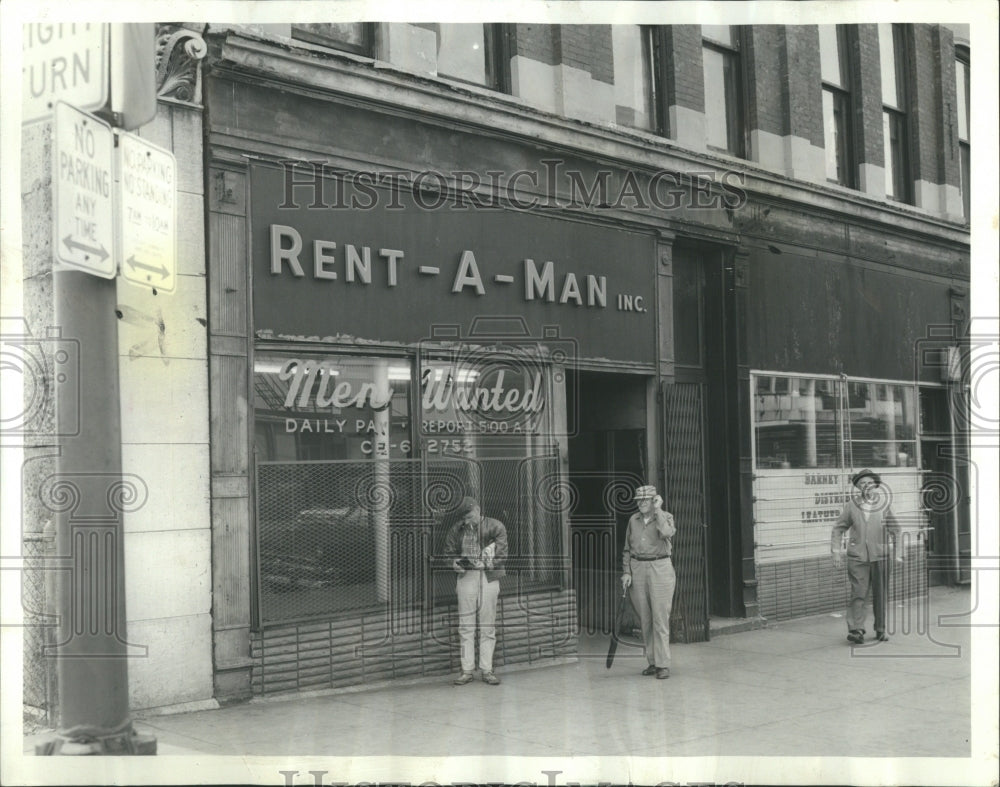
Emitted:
<point x="942" y="490"/>
<point x="707" y="340"/>
<point x="607" y="460"/>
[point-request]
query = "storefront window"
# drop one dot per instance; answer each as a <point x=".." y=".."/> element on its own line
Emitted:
<point x="797" y="422"/>
<point x="801" y="422"/>
<point x="326" y="407"/>
<point x="337" y="495"/>
<point x="811" y="434"/>
<point x="882" y="427"/>
<point x="353" y="497"/>
<point x="486" y="426"/>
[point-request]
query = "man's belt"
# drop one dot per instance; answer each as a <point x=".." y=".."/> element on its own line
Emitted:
<point x="645" y="559"/>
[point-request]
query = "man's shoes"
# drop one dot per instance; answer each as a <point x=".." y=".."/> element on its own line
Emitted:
<point x="662" y="673"/>
<point x="650" y="670"/>
<point x="465" y="677"/>
<point x="881" y="636"/>
<point x="856" y="636"/>
<point x="490" y="678"/>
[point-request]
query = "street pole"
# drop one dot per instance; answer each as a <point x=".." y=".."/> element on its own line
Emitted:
<point x="89" y="498"/>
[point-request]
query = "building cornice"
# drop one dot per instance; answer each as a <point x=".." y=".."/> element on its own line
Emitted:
<point x="380" y="87"/>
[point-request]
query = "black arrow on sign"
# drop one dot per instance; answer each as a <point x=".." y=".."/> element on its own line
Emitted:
<point x="101" y="253"/>
<point x="162" y="270"/>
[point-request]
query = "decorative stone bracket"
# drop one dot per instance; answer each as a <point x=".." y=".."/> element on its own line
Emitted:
<point x="178" y="52"/>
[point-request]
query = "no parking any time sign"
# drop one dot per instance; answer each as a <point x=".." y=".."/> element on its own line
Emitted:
<point x="83" y="192"/>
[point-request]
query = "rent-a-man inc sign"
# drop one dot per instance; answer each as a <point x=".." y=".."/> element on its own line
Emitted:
<point x="393" y="270"/>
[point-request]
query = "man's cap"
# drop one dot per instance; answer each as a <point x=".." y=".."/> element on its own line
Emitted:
<point x="645" y="492"/>
<point x="467" y="504"/>
<point x="866" y="473"/>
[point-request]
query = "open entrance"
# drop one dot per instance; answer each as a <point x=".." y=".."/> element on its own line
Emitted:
<point x="607" y="460"/>
<point x="944" y="489"/>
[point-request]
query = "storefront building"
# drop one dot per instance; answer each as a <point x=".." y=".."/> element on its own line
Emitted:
<point x="408" y="268"/>
<point x="541" y="265"/>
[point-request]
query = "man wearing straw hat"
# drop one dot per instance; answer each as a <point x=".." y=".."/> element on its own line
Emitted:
<point x="871" y="524"/>
<point x="648" y="571"/>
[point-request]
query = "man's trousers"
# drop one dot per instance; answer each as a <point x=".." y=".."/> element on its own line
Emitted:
<point x="652" y="593"/>
<point x="475" y="594"/>
<point x="867" y="578"/>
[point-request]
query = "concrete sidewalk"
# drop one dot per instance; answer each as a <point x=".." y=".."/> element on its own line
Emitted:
<point x="788" y="689"/>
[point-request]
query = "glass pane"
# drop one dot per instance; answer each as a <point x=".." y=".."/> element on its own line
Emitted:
<point x="633" y="105"/>
<point x="722" y="34"/>
<point x="717" y="117"/>
<point x="961" y="92"/>
<point x="462" y="52"/>
<point x="883" y="425"/>
<point x="349" y="36"/>
<point x="830" y="137"/>
<point x="830" y="55"/>
<point x="889" y="153"/>
<point x="328" y="407"/>
<point x="797" y="422"/>
<point x="965" y="153"/>
<point x="887" y="59"/>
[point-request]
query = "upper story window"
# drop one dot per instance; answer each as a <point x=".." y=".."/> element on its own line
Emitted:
<point x="476" y="53"/>
<point x="962" y="98"/>
<point x="837" y="126"/>
<point x="893" y="58"/>
<point x="356" y="37"/>
<point x="724" y="115"/>
<point x="635" y="93"/>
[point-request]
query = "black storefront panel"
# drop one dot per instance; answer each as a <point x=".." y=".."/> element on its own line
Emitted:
<point x="394" y="266"/>
<point x="826" y="315"/>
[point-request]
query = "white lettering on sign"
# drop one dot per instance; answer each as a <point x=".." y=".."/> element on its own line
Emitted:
<point x="148" y="213"/>
<point x="303" y="376"/>
<point x="794" y="510"/>
<point x="446" y="393"/>
<point x="64" y="61"/>
<point x="83" y="205"/>
<point x="313" y="385"/>
<point x="286" y="245"/>
<point x="355" y="262"/>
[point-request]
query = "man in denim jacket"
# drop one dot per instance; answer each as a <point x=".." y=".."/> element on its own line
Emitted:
<point x="478" y="548"/>
<point x="870" y="523"/>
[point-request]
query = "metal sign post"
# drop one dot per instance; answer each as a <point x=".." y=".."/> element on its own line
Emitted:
<point x="88" y="495"/>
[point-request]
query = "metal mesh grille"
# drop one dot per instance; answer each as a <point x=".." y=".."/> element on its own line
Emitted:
<point x="343" y="536"/>
<point x="683" y="420"/>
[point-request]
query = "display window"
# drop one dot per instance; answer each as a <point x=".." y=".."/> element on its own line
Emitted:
<point x="810" y="434"/>
<point x="361" y="462"/>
